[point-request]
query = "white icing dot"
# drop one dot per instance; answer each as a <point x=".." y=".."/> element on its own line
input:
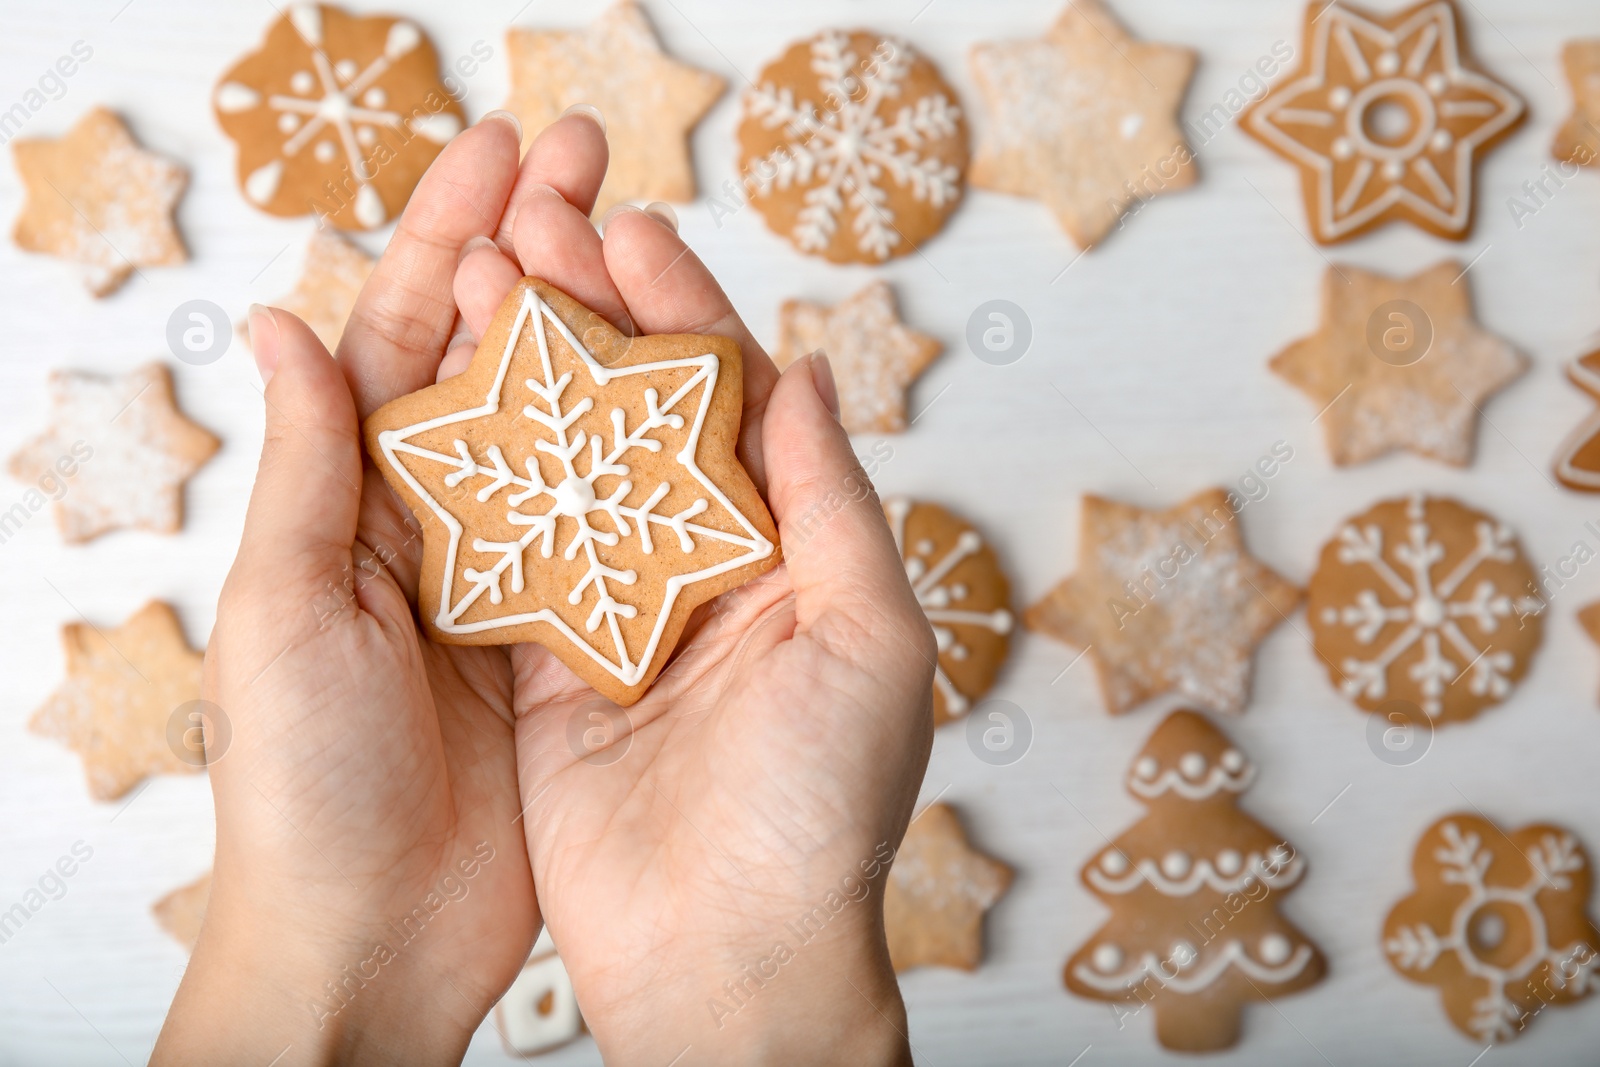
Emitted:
<point x="1339" y="98"/>
<point x="1436" y="83"/>
<point x="262" y="185"/>
<point x="1114" y="862"/>
<point x="1193" y="765"/>
<point x="374" y="97"/>
<point x="1441" y="141"/>
<point x="1175" y="864"/>
<point x="1233" y="761"/>
<point x="1330" y="615"/>
<point x="288" y="122"/>
<point x="234" y="97"/>
<point x="924" y="547"/>
<point x="370" y="211"/>
<point x="346" y="69"/>
<point x="1107" y="958"/>
<point x="958" y="592"/>
<point x="324" y="151"/>
<point x="302" y="82"/>
<point x="307" y="22"/>
<point x="958" y="652"/>
<point x="367" y="136"/>
<point x="436" y="128"/>
<point x="403" y="37"/>
<point x="1146" y="768"/>
<point x="1394" y="170"/>
<point x="1183" y="953"/>
<point x="1343" y="149"/>
<point x="1388" y="63"/>
<point x="1228" y="862"/>
<point x="1274" y="949"/>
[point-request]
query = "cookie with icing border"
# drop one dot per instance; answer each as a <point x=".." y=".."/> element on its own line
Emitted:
<point x="938" y="892"/>
<point x="1578" y="460"/>
<point x="577" y="488"/>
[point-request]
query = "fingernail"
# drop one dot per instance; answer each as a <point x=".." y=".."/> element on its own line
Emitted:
<point x="472" y="245"/>
<point x="822" y="377"/>
<point x="663" y="214"/>
<point x="612" y="213"/>
<point x="506" y="117"/>
<point x="588" y="111"/>
<point x="264" y="340"/>
<point x="463" y="338"/>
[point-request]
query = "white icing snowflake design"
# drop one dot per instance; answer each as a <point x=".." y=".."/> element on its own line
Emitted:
<point x="596" y="504"/>
<point x="1496" y="1017"/>
<point x="1430" y="606"/>
<point x="845" y="151"/>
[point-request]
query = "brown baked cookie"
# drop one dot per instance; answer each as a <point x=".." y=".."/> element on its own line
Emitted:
<point x="1428" y="602"/>
<point x="1499" y="922"/>
<point x="1195" y="931"/>
<point x="964" y="593"/>
<point x="1578" y="140"/>
<point x="577" y="488"/>
<point x="1399" y="363"/>
<point x="852" y="146"/>
<point x="1578" y="460"/>
<point x="1166" y="600"/>
<point x="938" y="892"/>
<point x="875" y="357"/>
<point x="1386" y="119"/>
<point x="116" y="456"/>
<point x="539" y="1013"/>
<point x="182" y="911"/>
<point x="330" y="280"/>
<point x="122" y="687"/>
<point x="99" y="201"/>
<point x="336" y="115"/>
<point x="650" y="101"/>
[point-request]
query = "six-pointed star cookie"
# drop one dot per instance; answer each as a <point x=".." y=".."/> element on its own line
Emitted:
<point x="96" y="199"/>
<point x="1399" y="363"/>
<point x="1578" y="462"/>
<point x="1166" y="600"/>
<point x="331" y="279"/>
<point x="1386" y="121"/>
<point x="1083" y="118"/>
<point x="121" y="690"/>
<point x="939" y="889"/>
<point x="650" y="101"/>
<point x="577" y="488"/>
<point x="875" y="357"/>
<point x="121" y="447"/>
<point x="1578" y="140"/>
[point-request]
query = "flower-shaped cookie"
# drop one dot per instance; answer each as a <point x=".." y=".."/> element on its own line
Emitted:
<point x="1498" y="922"/>
<point x="336" y="116"/>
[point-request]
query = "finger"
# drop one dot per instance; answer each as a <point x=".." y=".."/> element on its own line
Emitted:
<point x="396" y="333"/>
<point x="668" y="290"/>
<point x="484" y="277"/>
<point x="557" y="242"/>
<point x="458" y="355"/>
<point x="570" y="156"/>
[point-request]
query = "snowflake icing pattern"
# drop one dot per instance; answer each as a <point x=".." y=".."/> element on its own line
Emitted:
<point x="844" y="151"/>
<point x="596" y="504"/>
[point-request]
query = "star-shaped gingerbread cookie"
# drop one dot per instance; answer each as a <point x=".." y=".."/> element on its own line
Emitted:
<point x="875" y="357"/>
<point x="1166" y="600"/>
<point x="1386" y="120"/>
<point x="650" y="101"/>
<point x="577" y="488"/>
<point x="1399" y="363"/>
<point x="1578" y="462"/>
<point x="331" y="279"/>
<point x="182" y="911"/>
<point x="1578" y="140"/>
<point x="122" y="449"/>
<point x="938" y="892"/>
<point x="98" y="200"/>
<point x="1084" y="118"/>
<point x="117" y="702"/>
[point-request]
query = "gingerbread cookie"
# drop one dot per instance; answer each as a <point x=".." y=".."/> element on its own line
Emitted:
<point x="1425" y="601"/>
<point x="1578" y="140"/>
<point x="1166" y="600"/>
<point x="1085" y="119"/>
<point x="336" y="115"/>
<point x="182" y="911"/>
<point x="964" y="593"/>
<point x="123" y="449"/>
<point x="1399" y="363"/>
<point x="650" y="101"/>
<point x="577" y="488"/>
<point x="1578" y="461"/>
<point x="851" y="145"/>
<point x="875" y="357"/>
<point x="1195" y="930"/>
<point x="938" y="892"/>
<point x="334" y="272"/>
<point x="1499" y="922"/>
<point x="1386" y="120"/>
<point x="99" y="201"/>
<point x="122" y="688"/>
<point x="539" y="1013"/>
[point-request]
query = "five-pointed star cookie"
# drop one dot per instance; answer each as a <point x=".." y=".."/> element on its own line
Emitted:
<point x="121" y="448"/>
<point x="577" y="488"/>
<point x="1166" y="600"/>
<point x="98" y="200"/>
<point x="1399" y="363"/>
<point x="1386" y="120"/>
<point x="1083" y="118"/>
<point x="875" y="357"/>
<point x="650" y="101"/>
<point x="331" y="279"/>
<point x="938" y="891"/>
<point x="1578" y="140"/>
<point x="117" y="702"/>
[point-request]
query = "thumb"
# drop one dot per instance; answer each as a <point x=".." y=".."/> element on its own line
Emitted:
<point x="302" y="519"/>
<point x="842" y="560"/>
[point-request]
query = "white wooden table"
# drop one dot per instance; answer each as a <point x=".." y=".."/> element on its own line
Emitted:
<point x="1160" y="340"/>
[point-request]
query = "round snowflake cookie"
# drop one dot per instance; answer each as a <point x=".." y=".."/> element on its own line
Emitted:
<point x="1427" y="602"/>
<point x="852" y="146"/>
<point x="336" y="116"/>
<point x="965" y="595"/>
